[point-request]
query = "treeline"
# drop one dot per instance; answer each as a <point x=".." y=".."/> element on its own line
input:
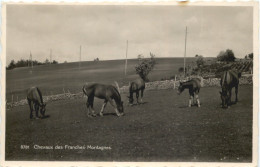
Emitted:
<point x="225" y="60"/>
<point x="28" y="63"/>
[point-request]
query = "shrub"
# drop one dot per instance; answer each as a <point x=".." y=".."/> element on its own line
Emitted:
<point x="145" y="66"/>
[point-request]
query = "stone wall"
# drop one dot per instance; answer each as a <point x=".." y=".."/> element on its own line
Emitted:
<point x="167" y="84"/>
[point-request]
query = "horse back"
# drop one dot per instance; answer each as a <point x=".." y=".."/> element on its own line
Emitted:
<point x="34" y="94"/>
<point x="101" y="91"/>
<point x="196" y="84"/>
<point x="137" y="84"/>
<point x="230" y="78"/>
<point x="90" y="89"/>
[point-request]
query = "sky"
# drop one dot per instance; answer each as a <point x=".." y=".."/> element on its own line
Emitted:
<point x="102" y="31"/>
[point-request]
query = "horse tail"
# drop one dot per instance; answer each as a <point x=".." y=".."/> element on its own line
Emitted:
<point x="84" y="90"/>
<point x="39" y="96"/>
<point x="225" y="78"/>
<point x="117" y="87"/>
<point x="130" y="86"/>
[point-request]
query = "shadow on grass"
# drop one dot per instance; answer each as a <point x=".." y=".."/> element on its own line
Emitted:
<point x="136" y="104"/>
<point x="45" y="116"/>
<point x="106" y="114"/>
<point x="193" y="105"/>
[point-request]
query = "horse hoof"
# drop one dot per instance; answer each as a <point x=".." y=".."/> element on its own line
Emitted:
<point x="100" y="114"/>
<point x="120" y="115"/>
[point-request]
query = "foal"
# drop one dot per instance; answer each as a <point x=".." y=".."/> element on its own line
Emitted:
<point x="194" y="88"/>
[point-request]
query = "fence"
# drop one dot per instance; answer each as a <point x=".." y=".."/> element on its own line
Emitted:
<point x="167" y="84"/>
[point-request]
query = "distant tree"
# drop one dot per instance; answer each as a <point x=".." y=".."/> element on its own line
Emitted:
<point x="47" y="61"/>
<point x="96" y="59"/>
<point x="181" y="70"/>
<point x="55" y="62"/>
<point x="11" y="65"/>
<point x="140" y="56"/>
<point x="226" y="56"/>
<point x="196" y="55"/>
<point x="65" y="61"/>
<point x="22" y="63"/>
<point x="145" y="66"/>
<point x="200" y="61"/>
<point x="251" y="55"/>
<point x="245" y="56"/>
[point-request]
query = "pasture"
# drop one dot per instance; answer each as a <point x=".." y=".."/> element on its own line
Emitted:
<point x="161" y="129"/>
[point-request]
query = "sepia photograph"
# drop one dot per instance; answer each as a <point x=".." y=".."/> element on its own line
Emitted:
<point x="130" y="83"/>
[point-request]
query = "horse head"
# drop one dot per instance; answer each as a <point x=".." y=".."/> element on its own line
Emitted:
<point x="130" y="99"/>
<point x="224" y="95"/>
<point x="180" y="88"/>
<point x="43" y="109"/>
<point x="120" y="108"/>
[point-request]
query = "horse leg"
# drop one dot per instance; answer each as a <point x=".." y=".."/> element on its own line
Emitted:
<point x="31" y="108"/>
<point x="91" y="106"/>
<point x="191" y="97"/>
<point x="88" y="105"/>
<point x="190" y="100"/>
<point x="103" y="107"/>
<point x="114" y="105"/>
<point x="137" y="96"/>
<point x="142" y="93"/>
<point x="36" y="107"/>
<point x="198" y="100"/>
<point x="236" y="91"/>
<point x="193" y="100"/>
<point x="230" y="93"/>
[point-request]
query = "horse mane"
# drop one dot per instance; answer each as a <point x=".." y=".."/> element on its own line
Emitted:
<point x="117" y="86"/>
<point x="186" y="82"/>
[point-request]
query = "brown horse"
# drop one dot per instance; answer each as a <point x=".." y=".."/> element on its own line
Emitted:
<point x="134" y="87"/>
<point x="229" y="79"/>
<point x="107" y="92"/>
<point x="194" y="88"/>
<point x="34" y="98"/>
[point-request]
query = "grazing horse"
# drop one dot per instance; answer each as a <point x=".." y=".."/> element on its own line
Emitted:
<point x="34" y="98"/>
<point x="107" y="92"/>
<point x="134" y="87"/>
<point x="194" y="88"/>
<point x="229" y="79"/>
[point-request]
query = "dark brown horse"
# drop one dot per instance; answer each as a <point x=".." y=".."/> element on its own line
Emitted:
<point x="34" y="98"/>
<point x="134" y="87"/>
<point x="107" y="92"/>
<point x="229" y="79"/>
<point x="194" y="88"/>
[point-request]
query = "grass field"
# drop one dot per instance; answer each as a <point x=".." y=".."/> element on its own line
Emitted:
<point x="162" y="129"/>
<point x="51" y="79"/>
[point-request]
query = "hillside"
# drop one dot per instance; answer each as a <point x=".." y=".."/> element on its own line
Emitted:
<point x="52" y="79"/>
